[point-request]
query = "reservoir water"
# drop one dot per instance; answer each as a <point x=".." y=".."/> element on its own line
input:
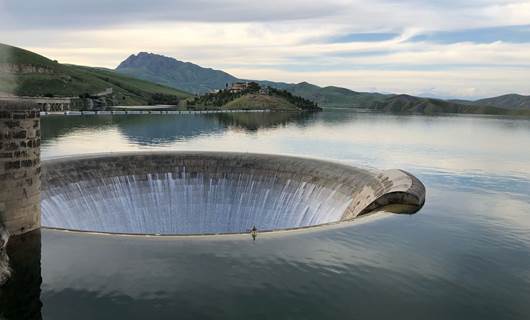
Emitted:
<point x="465" y="255"/>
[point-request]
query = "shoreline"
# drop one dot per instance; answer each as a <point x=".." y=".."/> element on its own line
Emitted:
<point x="144" y="112"/>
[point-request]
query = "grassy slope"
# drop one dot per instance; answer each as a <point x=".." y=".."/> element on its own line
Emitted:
<point x="410" y="104"/>
<point x="70" y="80"/>
<point x="254" y="101"/>
<point x="509" y="101"/>
<point x="335" y="96"/>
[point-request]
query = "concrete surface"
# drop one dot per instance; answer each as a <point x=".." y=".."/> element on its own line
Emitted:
<point x="358" y="190"/>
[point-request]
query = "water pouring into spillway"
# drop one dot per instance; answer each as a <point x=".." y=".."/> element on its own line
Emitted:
<point x="173" y="193"/>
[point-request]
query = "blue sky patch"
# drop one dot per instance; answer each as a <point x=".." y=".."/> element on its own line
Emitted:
<point x="362" y="37"/>
<point x="512" y="34"/>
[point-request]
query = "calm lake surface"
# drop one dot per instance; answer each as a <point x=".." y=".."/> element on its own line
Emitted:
<point x="465" y="255"/>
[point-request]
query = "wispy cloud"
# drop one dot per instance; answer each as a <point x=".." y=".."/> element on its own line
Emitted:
<point x="87" y="14"/>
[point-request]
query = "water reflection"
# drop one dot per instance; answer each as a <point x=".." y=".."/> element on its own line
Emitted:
<point x="20" y="295"/>
<point x="165" y="129"/>
<point x="254" y="121"/>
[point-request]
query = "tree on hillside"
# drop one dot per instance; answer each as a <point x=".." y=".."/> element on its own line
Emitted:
<point x="253" y="86"/>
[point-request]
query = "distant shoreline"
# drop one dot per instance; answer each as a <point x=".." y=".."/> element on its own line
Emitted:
<point x="145" y="112"/>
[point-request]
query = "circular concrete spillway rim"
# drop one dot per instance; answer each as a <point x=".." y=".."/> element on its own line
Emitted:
<point x="395" y="208"/>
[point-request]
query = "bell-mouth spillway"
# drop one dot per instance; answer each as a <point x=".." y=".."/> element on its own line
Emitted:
<point x="183" y="193"/>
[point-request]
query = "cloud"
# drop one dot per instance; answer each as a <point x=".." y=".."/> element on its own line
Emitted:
<point x="476" y="48"/>
<point x="354" y="15"/>
<point x="508" y="13"/>
<point x="465" y="82"/>
<point x="86" y="14"/>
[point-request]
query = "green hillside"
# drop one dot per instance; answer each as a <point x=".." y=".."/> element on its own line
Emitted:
<point x="507" y="101"/>
<point x="410" y="104"/>
<point x="335" y="96"/>
<point x="257" y="102"/>
<point x="24" y="73"/>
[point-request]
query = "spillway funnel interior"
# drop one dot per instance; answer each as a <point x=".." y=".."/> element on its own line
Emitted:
<point x="172" y="193"/>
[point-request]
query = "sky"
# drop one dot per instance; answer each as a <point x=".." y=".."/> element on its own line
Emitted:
<point x="441" y="48"/>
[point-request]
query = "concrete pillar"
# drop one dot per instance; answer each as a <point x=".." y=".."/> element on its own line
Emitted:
<point x="19" y="166"/>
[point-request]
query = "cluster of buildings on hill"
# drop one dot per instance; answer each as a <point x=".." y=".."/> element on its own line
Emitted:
<point x="238" y="87"/>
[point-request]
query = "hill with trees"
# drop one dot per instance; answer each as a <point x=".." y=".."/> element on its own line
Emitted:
<point x="254" y="97"/>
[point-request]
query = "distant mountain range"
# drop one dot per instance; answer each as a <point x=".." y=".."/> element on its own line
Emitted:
<point x="196" y="79"/>
<point x="509" y="101"/>
<point x="410" y="104"/>
<point x="193" y="78"/>
<point x="335" y="96"/>
<point x="174" y="73"/>
<point x="145" y="76"/>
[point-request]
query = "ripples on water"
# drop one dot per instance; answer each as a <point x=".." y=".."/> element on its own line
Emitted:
<point x="465" y="255"/>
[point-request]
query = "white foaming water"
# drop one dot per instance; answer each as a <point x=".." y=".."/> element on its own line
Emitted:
<point x="184" y="203"/>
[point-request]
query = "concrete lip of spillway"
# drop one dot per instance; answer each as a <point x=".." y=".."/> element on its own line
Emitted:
<point x="207" y="193"/>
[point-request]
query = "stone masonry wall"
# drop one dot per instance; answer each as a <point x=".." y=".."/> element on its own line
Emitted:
<point x="19" y="166"/>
